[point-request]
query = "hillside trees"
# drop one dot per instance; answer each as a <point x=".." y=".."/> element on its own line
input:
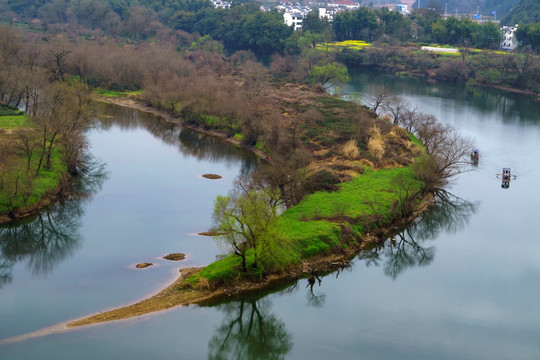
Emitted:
<point x="50" y="138"/>
<point x="359" y="24"/>
<point x="524" y="12"/>
<point x="529" y="36"/>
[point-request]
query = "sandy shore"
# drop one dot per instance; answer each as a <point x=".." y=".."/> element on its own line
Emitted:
<point x="173" y="296"/>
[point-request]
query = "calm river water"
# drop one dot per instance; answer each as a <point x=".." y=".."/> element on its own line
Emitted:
<point x="463" y="282"/>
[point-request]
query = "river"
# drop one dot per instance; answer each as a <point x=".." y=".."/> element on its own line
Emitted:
<point x="460" y="283"/>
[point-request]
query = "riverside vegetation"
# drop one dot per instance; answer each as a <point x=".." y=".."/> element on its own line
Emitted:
<point x="335" y="175"/>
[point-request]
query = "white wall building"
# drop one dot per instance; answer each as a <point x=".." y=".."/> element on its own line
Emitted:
<point x="402" y="9"/>
<point x="509" y="41"/>
<point x="345" y="4"/>
<point x="294" y="19"/>
<point x="328" y="13"/>
<point x="221" y="4"/>
<point x="293" y="14"/>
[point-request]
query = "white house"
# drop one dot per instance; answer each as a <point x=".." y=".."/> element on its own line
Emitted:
<point x="402" y="9"/>
<point x="221" y="4"/>
<point x="294" y="19"/>
<point x="509" y="41"/>
<point x="327" y="13"/>
<point x="346" y="4"/>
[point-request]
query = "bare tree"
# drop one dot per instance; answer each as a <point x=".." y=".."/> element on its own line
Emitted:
<point x="407" y="119"/>
<point x="378" y="97"/>
<point x="396" y="108"/>
<point x="138" y="20"/>
<point x="56" y="58"/>
<point x="287" y="174"/>
<point x="448" y="154"/>
<point x="63" y="114"/>
<point x="25" y="140"/>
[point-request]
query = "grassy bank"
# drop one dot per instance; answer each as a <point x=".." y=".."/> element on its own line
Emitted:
<point x="324" y="223"/>
<point x="21" y="192"/>
<point x="319" y="234"/>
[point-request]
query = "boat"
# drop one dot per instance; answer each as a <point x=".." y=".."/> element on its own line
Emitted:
<point x="506" y="175"/>
<point x="475" y="156"/>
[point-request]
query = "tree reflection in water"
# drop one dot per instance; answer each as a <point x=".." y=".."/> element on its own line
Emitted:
<point x="314" y="298"/>
<point x="447" y="213"/>
<point x="249" y="331"/>
<point x="187" y="141"/>
<point x="53" y="235"/>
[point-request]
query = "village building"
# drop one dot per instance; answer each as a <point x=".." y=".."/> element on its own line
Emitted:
<point x="509" y="42"/>
<point x="294" y="19"/>
<point x="293" y="14"/>
<point x="328" y="13"/>
<point x="346" y="4"/>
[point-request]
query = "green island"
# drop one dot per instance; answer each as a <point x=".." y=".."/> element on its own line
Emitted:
<point x="362" y="197"/>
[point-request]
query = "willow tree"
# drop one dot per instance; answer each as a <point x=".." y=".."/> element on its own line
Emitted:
<point x="242" y="219"/>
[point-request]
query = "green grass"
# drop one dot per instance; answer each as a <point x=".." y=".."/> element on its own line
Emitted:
<point x="13" y="121"/>
<point x="44" y="184"/>
<point x="314" y="227"/>
<point x="114" y="93"/>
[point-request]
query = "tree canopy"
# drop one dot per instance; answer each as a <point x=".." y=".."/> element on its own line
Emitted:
<point x="526" y="11"/>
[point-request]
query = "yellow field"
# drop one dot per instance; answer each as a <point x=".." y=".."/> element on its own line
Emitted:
<point x="350" y="44"/>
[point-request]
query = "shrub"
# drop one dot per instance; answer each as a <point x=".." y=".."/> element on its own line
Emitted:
<point x="350" y="150"/>
<point x="376" y="144"/>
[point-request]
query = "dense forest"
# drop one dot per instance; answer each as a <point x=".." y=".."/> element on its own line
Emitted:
<point x="525" y="12"/>
<point x="241" y="27"/>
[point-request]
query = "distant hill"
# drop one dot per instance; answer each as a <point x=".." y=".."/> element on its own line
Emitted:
<point x="526" y="11"/>
<point x="484" y="7"/>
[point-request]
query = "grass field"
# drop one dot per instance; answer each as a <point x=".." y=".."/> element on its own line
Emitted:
<point x="114" y="93"/>
<point x="11" y="122"/>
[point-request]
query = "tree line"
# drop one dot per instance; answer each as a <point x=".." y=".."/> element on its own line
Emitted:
<point x="50" y="141"/>
<point x="246" y="26"/>
<point x="514" y="70"/>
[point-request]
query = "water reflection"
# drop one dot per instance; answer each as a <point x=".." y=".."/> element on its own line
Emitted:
<point x="315" y="298"/>
<point x="53" y="235"/>
<point x="187" y="141"/>
<point x="249" y="330"/>
<point x="510" y="106"/>
<point x="406" y="249"/>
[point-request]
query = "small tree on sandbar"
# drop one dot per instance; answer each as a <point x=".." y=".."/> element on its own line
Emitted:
<point x="242" y="219"/>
